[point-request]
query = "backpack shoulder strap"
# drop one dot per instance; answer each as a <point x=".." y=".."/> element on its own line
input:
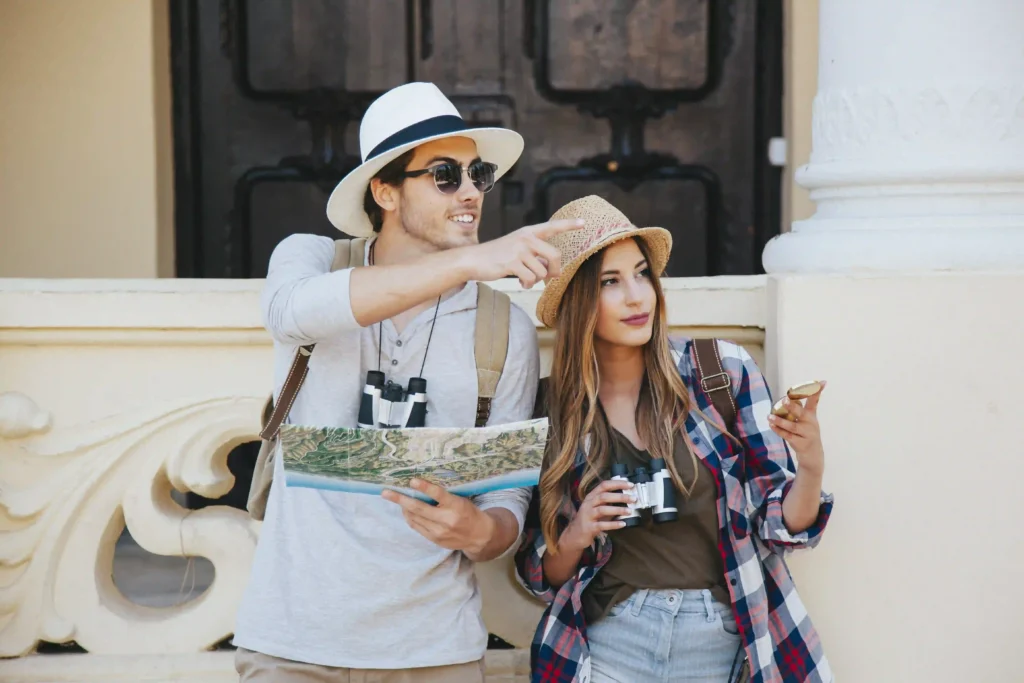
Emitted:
<point x="715" y="381"/>
<point x="292" y="383"/>
<point x="490" y="346"/>
<point x="347" y="254"/>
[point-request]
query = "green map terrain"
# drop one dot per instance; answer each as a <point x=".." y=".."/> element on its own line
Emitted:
<point x="392" y="457"/>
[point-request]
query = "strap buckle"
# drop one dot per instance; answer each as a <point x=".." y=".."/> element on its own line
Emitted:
<point x="724" y="385"/>
<point x="483" y="410"/>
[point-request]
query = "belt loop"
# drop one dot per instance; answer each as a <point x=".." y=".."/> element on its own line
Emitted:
<point x="638" y="601"/>
<point x="709" y="605"/>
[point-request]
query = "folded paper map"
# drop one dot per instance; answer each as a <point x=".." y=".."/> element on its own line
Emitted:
<point x="465" y="461"/>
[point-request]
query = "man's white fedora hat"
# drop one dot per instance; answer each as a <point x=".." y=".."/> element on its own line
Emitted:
<point x="397" y="121"/>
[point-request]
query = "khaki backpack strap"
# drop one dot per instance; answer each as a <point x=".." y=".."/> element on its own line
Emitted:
<point x="490" y="347"/>
<point x="715" y="382"/>
<point x="292" y="383"/>
<point x="349" y="253"/>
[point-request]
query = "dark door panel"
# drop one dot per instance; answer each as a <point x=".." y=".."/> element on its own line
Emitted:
<point x="598" y="44"/>
<point x="663" y="106"/>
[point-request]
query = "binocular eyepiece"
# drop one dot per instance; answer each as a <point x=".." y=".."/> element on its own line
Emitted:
<point x="389" y="406"/>
<point x="653" y="491"/>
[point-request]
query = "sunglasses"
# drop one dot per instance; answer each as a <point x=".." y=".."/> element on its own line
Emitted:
<point x="448" y="176"/>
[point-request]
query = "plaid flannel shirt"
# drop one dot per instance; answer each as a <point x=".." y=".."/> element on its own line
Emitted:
<point x="781" y="644"/>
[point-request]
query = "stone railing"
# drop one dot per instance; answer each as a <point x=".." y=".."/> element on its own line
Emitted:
<point x="116" y="399"/>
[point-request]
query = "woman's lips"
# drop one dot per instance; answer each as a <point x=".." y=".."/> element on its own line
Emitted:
<point x="637" y="320"/>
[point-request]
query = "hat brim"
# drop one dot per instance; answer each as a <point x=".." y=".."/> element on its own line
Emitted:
<point x="659" y="246"/>
<point x="500" y="146"/>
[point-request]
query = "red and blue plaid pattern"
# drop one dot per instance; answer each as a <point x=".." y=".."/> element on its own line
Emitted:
<point x="780" y="641"/>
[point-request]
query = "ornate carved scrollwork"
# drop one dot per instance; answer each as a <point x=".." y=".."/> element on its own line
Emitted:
<point x="67" y="493"/>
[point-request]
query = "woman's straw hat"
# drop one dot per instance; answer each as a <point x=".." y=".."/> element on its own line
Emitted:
<point x="604" y="225"/>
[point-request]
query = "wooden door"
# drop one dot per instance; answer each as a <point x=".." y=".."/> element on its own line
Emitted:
<point x="664" y="107"/>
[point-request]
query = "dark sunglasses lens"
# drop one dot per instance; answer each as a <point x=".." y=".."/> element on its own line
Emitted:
<point x="482" y="175"/>
<point x="448" y="178"/>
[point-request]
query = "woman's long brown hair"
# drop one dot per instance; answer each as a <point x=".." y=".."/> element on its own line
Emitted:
<point x="573" y="409"/>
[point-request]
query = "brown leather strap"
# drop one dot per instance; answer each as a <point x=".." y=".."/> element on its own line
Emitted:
<point x="714" y="381"/>
<point x="347" y="254"/>
<point x="292" y="384"/>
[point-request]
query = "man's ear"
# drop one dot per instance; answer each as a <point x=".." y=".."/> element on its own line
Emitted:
<point x="385" y="195"/>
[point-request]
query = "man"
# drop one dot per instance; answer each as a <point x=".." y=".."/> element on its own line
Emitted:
<point x="352" y="587"/>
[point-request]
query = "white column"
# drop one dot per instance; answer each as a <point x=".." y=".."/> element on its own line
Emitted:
<point x="917" y="158"/>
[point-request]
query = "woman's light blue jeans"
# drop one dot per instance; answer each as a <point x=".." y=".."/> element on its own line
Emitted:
<point x="664" y="635"/>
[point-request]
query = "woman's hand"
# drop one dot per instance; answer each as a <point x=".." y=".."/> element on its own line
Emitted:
<point x="801" y="505"/>
<point x="802" y="433"/>
<point x="598" y="513"/>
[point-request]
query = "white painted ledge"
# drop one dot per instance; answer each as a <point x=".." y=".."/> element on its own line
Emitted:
<point x="234" y="304"/>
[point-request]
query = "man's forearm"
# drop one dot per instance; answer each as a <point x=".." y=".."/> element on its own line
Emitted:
<point x="381" y="292"/>
<point x="500" y="531"/>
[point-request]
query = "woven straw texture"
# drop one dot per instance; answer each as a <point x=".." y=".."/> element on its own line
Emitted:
<point x="605" y="225"/>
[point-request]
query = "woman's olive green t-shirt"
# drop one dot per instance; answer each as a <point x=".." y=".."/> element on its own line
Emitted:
<point x="681" y="554"/>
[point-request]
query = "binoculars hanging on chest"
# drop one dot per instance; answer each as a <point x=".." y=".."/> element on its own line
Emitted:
<point x="389" y="406"/>
<point x="652" y="490"/>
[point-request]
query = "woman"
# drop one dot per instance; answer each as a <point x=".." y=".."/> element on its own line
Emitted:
<point x="697" y="598"/>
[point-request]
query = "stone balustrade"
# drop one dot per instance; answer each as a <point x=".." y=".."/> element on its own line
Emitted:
<point x="118" y="397"/>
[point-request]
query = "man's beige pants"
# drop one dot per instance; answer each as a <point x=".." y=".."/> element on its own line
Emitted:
<point x="254" y="667"/>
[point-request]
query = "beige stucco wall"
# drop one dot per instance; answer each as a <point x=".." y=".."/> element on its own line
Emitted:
<point x="85" y="139"/>
<point x="801" y="84"/>
<point x="921" y="561"/>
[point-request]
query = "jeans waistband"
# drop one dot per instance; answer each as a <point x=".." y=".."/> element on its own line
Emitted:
<point x="676" y="601"/>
